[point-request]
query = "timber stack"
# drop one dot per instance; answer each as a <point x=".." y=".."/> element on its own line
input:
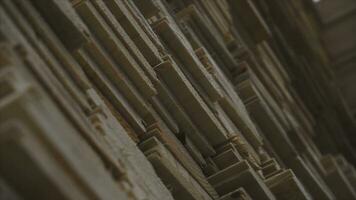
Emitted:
<point x="169" y="100"/>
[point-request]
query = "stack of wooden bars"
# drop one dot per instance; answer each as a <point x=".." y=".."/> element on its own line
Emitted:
<point x="166" y="99"/>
